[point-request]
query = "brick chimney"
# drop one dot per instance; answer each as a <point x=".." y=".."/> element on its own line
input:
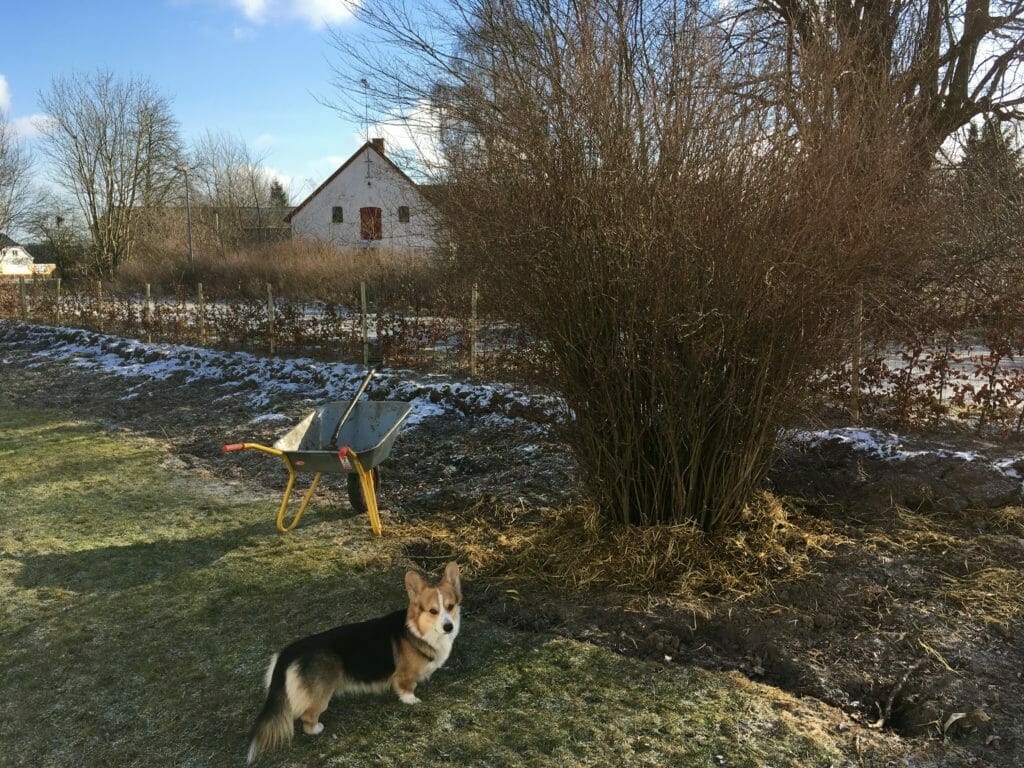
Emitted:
<point x="378" y="144"/>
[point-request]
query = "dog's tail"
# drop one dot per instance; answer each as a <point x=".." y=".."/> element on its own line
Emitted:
<point x="274" y="725"/>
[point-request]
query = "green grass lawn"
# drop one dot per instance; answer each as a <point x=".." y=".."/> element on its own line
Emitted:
<point x="141" y="603"/>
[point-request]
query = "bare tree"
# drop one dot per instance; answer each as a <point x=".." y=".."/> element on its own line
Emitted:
<point x="112" y="145"/>
<point x="687" y="263"/>
<point x="17" y="197"/>
<point x="233" y="189"/>
<point x="944" y="67"/>
<point x="947" y="61"/>
<point x="59" y="235"/>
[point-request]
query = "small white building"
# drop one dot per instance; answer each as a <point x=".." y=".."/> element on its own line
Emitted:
<point x="369" y="202"/>
<point x="15" y="261"/>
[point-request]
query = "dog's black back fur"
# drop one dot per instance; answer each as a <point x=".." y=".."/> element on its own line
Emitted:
<point x="368" y="656"/>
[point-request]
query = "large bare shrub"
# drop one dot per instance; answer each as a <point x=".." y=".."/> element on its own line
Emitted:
<point x="689" y="259"/>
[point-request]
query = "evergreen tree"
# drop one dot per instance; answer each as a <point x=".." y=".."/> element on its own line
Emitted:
<point x="989" y="179"/>
<point x="988" y="211"/>
<point x="991" y="164"/>
<point x="278" y="197"/>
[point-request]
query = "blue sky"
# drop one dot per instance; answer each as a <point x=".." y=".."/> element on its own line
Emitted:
<point x="251" y="68"/>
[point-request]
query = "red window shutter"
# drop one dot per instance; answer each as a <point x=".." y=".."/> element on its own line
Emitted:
<point x="370" y="224"/>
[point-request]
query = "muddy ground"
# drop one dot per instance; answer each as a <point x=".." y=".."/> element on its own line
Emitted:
<point x="906" y="616"/>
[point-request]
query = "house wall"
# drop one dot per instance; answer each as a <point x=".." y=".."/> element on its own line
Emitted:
<point x="15" y="260"/>
<point x="375" y="184"/>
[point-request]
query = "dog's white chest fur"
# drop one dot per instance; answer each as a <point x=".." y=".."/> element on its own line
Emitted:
<point x="442" y="647"/>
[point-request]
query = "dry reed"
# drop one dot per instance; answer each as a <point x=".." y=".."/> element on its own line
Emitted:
<point x="573" y="549"/>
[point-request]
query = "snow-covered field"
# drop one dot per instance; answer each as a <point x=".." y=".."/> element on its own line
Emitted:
<point x="262" y="380"/>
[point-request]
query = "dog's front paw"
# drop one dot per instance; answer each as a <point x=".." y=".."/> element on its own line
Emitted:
<point x="315" y="730"/>
<point x="408" y="698"/>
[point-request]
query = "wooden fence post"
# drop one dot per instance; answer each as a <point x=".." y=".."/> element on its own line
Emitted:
<point x="858" y="341"/>
<point x="99" y="304"/>
<point x="366" y="336"/>
<point x="472" y="330"/>
<point x="270" y="316"/>
<point x="56" y="305"/>
<point x="201" y="308"/>
<point x="148" y="315"/>
<point x="24" y="298"/>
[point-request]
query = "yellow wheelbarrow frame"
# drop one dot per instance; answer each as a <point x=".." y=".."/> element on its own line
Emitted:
<point x="350" y="438"/>
<point x="346" y="458"/>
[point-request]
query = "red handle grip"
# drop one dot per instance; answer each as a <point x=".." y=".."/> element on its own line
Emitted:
<point x="233" y="447"/>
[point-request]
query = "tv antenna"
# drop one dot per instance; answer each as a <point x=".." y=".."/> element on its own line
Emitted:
<point x="366" y="107"/>
<point x="366" y="122"/>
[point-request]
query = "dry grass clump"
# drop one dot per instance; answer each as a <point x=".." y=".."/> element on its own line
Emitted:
<point x="298" y="269"/>
<point x="992" y="594"/>
<point x="982" y="576"/>
<point x="570" y="549"/>
<point x="992" y="586"/>
<point x="573" y="549"/>
<point x="1009" y="519"/>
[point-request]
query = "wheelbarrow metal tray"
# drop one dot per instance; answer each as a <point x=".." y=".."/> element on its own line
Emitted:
<point x="370" y="431"/>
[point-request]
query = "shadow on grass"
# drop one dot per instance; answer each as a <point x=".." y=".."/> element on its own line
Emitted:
<point x="115" y="568"/>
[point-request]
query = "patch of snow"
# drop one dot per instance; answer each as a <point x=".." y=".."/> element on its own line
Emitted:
<point x="875" y="442"/>
<point x="1007" y="467"/>
<point x="887" y="446"/>
<point x="269" y="417"/>
<point x="264" y="381"/>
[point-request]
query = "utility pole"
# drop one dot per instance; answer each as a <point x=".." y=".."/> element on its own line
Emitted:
<point x="188" y="215"/>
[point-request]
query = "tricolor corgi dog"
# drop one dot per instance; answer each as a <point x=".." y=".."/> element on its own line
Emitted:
<point x="393" y="652"/>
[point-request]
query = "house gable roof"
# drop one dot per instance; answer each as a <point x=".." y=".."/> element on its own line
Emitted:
<point x="368" y="145"/>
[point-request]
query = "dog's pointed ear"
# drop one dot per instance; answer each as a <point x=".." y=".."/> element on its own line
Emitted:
<point x="451" y="576"/>
<point x="414" y="584"/>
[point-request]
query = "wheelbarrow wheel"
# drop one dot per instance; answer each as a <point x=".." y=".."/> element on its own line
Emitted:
<point x="355" y="491"/>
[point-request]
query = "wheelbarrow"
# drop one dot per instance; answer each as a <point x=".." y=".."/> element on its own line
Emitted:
<point x="351" y="438"/>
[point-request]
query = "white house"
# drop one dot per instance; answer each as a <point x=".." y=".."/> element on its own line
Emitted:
<point x="15" y="261"/>
<point x="368" y="202"/>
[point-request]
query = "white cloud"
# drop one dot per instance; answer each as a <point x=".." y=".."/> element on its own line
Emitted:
<point x="320" y="12"/>
<point x="284" y="178"/>
<point x="316" y="13"/>
<point x="414" y="137"/>
<point x="264" y="141"/>
<point x="301" y="189"/>
<point x="26" y="127"/>
<point x="330" y="162"/>
<point x="30" y="126"/>
<point x="318" y="170"/>
<point x="253" y="9"/>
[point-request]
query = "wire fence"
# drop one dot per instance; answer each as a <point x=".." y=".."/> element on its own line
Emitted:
<point x="909" y="383"/>
<point x="452" y="340"/>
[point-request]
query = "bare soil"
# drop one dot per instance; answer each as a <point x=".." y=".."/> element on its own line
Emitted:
<point x="909" y="621"/>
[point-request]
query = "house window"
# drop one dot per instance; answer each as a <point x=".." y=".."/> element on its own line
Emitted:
<point x="403" y="214"/>
<point x="369" y="224"/>
<point x="337" y="215"/>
